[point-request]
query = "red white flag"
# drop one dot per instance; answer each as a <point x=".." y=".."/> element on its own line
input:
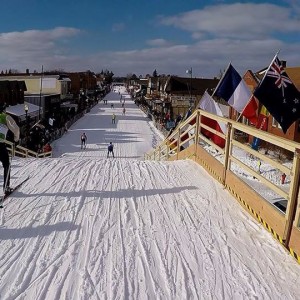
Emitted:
<point x="209" y="105"/>
<point x="250" y="111"/>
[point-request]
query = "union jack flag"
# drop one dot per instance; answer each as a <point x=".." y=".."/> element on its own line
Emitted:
<point x="277" y="71"/>
<point x="279" y="95"/>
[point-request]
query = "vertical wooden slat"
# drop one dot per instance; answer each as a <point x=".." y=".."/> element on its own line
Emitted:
<point x="228" y="151"/>
<point x="297" y="216"/>
<point x="293" y="196"/>
<point x="168" y="151"/>
<point x="178" y="142"/>
<point x="197" y="130"/>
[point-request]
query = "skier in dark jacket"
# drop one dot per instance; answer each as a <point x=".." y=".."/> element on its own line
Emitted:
<point x="83" y="140"/>
<point x="7" y="123"/>
<point x="110" y="149"/>
<point x="4" y="158"/>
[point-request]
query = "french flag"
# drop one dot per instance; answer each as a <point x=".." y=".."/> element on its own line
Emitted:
<point x="233" y="89"/>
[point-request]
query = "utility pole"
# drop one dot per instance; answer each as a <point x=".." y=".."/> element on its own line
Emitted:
<point x="41" y="88"/>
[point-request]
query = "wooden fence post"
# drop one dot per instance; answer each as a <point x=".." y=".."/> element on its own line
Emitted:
<point x="197" y="132"/>
<point x="228" y="151"/>
<point x="168" y="152"/>
<point x="178" y="142"/>
<point x="297" y="216"/>
<point x="293" y="196"/>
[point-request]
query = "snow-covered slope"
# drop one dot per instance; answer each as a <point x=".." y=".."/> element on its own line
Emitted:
<point x="114" y="229"/>
<point x="87" y="227"/>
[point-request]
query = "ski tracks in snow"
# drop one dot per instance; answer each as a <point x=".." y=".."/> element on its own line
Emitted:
<point x="122" y="229"/>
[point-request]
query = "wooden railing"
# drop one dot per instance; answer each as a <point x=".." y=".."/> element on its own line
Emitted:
<point x="23" y="152"/>
<point x="191" y="140"/>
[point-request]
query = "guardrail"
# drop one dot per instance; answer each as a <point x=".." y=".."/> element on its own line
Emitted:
<point x="23" y="152"/>
<point x="195" y="140"/>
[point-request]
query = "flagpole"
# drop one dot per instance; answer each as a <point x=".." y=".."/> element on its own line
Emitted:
<point x="241" y="114"/>
<point x="282" y="87"/>
<point x="221" y="79"/>
<point x="268" y="69"/>
<point x="276" y="54"/>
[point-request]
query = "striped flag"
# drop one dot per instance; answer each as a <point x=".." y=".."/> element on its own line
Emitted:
<point x="209" y="105"/>
<point x="234" y="90"/>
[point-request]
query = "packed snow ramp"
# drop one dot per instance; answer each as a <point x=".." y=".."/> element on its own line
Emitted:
<point x="84" y="228"/>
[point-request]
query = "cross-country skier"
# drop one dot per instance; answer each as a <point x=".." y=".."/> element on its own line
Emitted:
<point x="83" y="140"/>
<point x="113" y="119"/>
<point x="110" y="149"/>
<point x="6" y="123"/>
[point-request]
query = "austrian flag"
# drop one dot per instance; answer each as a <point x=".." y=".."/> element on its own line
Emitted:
<point x="279" y="95"/>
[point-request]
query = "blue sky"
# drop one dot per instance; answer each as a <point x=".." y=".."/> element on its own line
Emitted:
<point x="138" y="36"/>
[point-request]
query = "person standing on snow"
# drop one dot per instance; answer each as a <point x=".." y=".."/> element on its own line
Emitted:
<point x="83" y="140"/>
<point x="113" y="119"/>
<point x="110" y="149"/>
<point x="259" y="165"/>
<point x="6" y="123"/>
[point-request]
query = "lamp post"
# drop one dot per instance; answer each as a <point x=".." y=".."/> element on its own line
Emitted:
<point x="190" y="71"/>
<point x="41" y="89"/>
<point x="26" y="110"/>
<point x="26" y="122"/>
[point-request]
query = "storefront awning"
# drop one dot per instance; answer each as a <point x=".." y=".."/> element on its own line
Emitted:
<point x="19" y="110"/>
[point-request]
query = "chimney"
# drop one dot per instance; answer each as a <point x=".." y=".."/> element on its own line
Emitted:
<point x="27" y="71"/>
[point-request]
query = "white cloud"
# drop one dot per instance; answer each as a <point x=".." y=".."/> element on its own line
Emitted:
<point x="206" y="57"/>
<point x="20" y="50"/>
<point x="238" y="20"/>
<point x="158" y="42"/>
<point x="36" y="36"/>
<point x="240" y="33"/>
